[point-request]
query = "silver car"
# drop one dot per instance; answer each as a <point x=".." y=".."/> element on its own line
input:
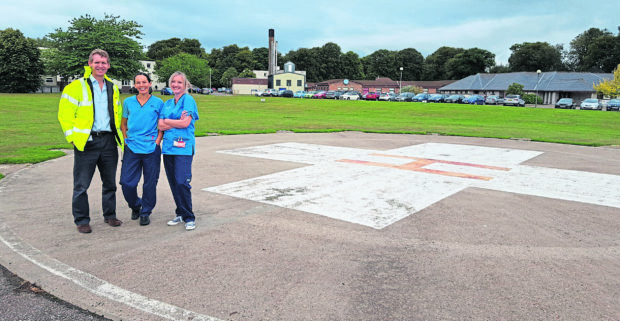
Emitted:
<point x="514" y="100"/>
<point x="591" y="103"/>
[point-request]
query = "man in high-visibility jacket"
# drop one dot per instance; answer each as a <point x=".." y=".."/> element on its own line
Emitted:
<point x="90" y="114"/>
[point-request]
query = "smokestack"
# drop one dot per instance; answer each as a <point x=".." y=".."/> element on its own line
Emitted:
<point x="272" y="53"/>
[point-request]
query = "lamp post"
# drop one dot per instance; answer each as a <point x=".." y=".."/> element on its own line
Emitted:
<point x="400" y="84"/>
<point x="537" y="81"/>
<point x="209" y="80"/>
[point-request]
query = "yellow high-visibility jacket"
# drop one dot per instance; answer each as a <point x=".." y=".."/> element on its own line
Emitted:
<point x="76" y="111"/>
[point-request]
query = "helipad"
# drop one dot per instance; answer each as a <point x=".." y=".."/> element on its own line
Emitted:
<point x="339" y="226"/>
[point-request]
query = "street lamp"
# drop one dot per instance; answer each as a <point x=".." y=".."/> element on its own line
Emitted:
<point x="537" y="81"/>
<point x="400" y="84"/>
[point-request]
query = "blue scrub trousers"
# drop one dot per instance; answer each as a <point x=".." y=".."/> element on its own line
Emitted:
<point x="101" y="153"/>
<point x="131" y="171"/>
<point x="179" y="172"/>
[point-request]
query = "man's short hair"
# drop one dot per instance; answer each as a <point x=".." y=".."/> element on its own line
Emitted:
<point x="99" y="52"/>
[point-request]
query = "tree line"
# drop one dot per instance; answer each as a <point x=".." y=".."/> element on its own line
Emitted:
<point x="66" y="51"/>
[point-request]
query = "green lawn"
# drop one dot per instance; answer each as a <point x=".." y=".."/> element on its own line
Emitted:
<point x="30" y="129"/>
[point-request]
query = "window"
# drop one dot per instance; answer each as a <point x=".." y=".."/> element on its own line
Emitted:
<point x="278" y="82"/>
<point x="299" y="83"/>
<point x="148" y="65"/>
<point x="126" y="83"/>
<point x="288" y="83"/>
<point x="49" y="79"/>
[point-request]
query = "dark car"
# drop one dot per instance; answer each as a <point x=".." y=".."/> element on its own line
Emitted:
<point x="405" y="97"/>
<point x="475" y="100"/>
<point x="565" y="103"/>
<point x="166" y="91"/>
<point x="455" y="99"/>
<point x="613" y="104"/>
<point x="437" y="98"/>
<point x="421" y="97"/>
<point x="287" y="93"/>
<point x="330" y="94"/>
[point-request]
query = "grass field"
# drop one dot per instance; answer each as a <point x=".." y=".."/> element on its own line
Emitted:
<point x="31" y="132"/>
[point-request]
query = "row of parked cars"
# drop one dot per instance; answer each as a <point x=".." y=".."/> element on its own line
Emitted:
<point x="590" y="103"/>
<point x="195" y="90"/>
<point x="509" y="100"/>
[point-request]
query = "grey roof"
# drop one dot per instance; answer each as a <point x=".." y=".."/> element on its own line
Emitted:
<point x="549" y="81"/>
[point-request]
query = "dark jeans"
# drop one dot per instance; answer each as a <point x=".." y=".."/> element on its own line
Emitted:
<point x="131" y="171"/>
<point x="101" y="153"/>
<point x="179" y="172"/>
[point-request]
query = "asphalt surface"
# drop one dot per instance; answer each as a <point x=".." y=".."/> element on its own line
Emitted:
<point x="477" y="254"/>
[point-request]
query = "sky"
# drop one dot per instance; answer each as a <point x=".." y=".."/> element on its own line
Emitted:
<point x="359" y="26"/>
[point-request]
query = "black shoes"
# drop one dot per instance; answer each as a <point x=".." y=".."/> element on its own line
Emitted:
<point x="145" y="220"/>
<point x="135" y="214"/>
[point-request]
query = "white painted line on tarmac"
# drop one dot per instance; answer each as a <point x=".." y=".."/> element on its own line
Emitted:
<point x="379" y="188"/>
<point x="95" y="285"/>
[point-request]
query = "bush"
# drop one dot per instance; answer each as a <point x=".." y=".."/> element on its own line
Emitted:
<point x="531" y="99"/>
<point x="515" y="89"/>
<point x="412" y="89"/>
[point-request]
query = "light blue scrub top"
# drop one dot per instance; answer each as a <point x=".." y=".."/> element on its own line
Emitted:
<point x="142" y="123"/>
<point x="173" y="111"/>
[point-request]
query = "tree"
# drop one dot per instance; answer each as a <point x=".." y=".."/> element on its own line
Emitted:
<point x="579" y="48"/>
<point x="469" y="62"/>
<point x="247" y="73"/>
<point x="20" y="63"/>
<point x="227" y="76"/>
<point x="610" y="87"/>
<point x="434" y="67"/>
<point x="244" y="60"/>
<point x="196" y="69"/>
<point x="603" y="54"/>
<point x="381" y="63"/>
<point x="162" y="49"/>
<point x="515" y="89"/>
<point x="72" y="47"/>
<point x="412" y="62"/>
<point x="329" y="61"/>
<point x="261" y="58"/>
<point x="499" y="69"/>
<point x="529" y="56"/>
<point x="306" y="59"/>
<point x="351" y="66"/>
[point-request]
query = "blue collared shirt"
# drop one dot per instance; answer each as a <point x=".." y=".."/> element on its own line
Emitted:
<point x="102" y="117"/>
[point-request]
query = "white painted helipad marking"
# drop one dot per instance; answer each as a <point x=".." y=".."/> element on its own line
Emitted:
<point x="94" y="284"/>
<point x="378" y="188"/>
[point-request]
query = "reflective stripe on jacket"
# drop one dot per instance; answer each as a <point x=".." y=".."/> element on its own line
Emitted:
<point x="76" y="111"/>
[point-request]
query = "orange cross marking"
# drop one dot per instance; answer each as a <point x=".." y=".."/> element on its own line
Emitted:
<point x="419" y="163"/>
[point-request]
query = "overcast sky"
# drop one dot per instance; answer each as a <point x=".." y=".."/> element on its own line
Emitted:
<point x="359" y="26"/>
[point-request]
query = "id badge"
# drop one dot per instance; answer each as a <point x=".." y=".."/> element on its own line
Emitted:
<point x="179" y="143"/>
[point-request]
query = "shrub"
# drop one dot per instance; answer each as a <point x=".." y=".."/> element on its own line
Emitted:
<point x="412" y="89"/>
<point x="531" y="99"/>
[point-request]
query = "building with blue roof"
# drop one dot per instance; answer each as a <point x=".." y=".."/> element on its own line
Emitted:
<point x="551" y="86"/>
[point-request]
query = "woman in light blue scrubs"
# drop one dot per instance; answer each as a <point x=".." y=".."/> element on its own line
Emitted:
<point x="142" y="152"/>
<point x="177" y="121"/>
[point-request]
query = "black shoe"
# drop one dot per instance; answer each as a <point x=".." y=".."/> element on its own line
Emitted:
<point x="145" y="220"/>
<point x="135" y="214"/>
